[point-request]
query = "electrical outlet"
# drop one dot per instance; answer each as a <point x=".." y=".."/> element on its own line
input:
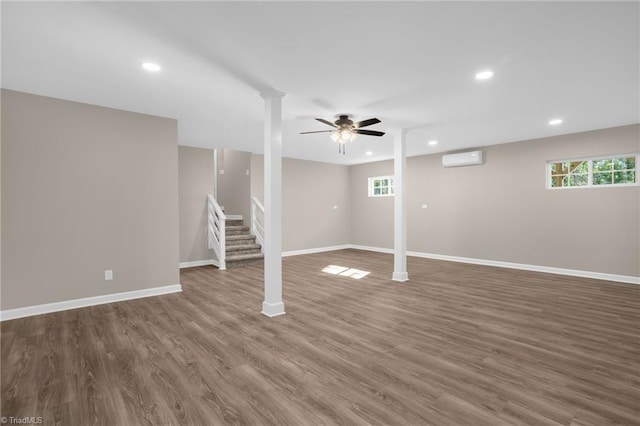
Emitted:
<point x="246" y="172"/>
<point x="424" y="206"/>
<point x="108" y="275"/>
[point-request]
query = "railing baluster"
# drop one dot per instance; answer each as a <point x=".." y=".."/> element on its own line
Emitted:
<point x="216" y="230"/>
<point x="257" y="220"/>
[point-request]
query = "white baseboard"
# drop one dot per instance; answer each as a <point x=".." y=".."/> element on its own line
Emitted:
<point x="315" y="250"/>
<point x="47" y="308"/>
<point x="400" y="276"/>
<point x="370" y="248"/>
<point x="272" y="310"/>
<point x="195" y="263"/>
<point x="522" y="266"/>
<point x="234" y="216"/>
<point x="536" y="268"/>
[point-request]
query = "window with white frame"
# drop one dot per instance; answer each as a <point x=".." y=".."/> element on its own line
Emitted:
<point x="616" y="170"/>
<point x="381" y="186"/>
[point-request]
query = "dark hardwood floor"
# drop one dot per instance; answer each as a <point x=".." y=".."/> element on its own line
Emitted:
<point x="456" y="345"/>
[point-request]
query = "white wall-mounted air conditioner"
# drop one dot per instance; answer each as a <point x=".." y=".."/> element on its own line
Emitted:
<point x="462" y="159"/>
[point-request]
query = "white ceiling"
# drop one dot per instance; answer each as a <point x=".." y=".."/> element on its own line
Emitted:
<point x="410" y="64"/>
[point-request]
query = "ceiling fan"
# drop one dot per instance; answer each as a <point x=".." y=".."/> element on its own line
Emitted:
<point x="345" y="130"/>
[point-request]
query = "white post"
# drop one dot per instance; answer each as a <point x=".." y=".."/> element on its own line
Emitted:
<point x="400" y="207"/>
<point x="253" y="217"/>
<point x="272" y="305"/>
<point x="223" y="244"/>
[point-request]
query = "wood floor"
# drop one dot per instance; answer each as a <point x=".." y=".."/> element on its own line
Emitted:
<point x="456" y="345"/>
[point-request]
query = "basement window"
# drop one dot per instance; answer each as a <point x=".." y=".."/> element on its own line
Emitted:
<point x="619" y="170"/>
<point x="381" y="186"/>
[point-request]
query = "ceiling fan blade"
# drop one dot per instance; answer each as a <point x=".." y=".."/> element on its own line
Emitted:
<point x="366" y="123"/>
<point x="368" y="132"/>
<point x="317" y="131"/>
<point x="322" y="120"/>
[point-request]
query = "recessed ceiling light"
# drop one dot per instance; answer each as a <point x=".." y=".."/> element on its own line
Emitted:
<point x="555" y="121"/>
<point x="484" y="75"/>
<point x="150" y="66"/>
<point x="368" y="153"/>
<point x="433" y="143"/>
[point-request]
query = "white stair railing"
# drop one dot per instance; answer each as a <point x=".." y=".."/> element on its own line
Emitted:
<point x="257" y="221"/>
<point x="217" y="240"/>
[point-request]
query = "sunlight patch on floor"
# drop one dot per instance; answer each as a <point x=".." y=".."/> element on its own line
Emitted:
<point x="345" y="271"/>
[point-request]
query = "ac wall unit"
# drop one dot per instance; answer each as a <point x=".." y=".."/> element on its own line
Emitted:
<point x="462" y="159"/>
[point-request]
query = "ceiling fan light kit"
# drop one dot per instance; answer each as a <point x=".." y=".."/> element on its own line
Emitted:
<point x="345" y="130"/>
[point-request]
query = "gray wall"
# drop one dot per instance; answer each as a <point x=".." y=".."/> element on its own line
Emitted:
<point x="502" y="211"/>
<point x="195" y="167"/>
<point x="234" y="186"/>
<point x="0" y="195"/>
<point x="310" y="190"/>
<point x="85" y="189"/>
<point x="257" y="177"/>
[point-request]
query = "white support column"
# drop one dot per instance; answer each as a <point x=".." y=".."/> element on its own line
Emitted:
<point x="400" y="207"/>
<point x="272" y="305"/>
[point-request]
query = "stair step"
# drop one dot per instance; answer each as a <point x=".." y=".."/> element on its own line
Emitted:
<point x="236" y="230"/>
<point x="233" y="240"/>
<point x="234" y="248"/>
<point x="237" y="257"/>
<point x="243" y="259"/>
<point x="234" y="222"/>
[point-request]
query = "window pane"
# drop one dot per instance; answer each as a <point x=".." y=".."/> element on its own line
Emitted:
<point x="385" y="182"/>
<point x="624" y="177"/>
<point x="376" y="191"/>
<point x="602" y="165"/>
<point x="391" y="191"/>
<point x="384" y="191"/>
<point x="565" y="181"/>
<point x="579" y="167"/>
<point x="631" y="163"/>
<point x="620" y="164"/>
<point x="602" y="178"/>
<point x="559" y="168"/>
<point x="376" y="182"/>
<point x="578" y="180"/>
<point x="556" y="181"/>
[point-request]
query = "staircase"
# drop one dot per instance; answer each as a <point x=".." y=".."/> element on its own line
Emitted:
<point x="241" y="247"/>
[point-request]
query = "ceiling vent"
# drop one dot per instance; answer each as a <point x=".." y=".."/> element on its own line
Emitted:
<point x="470" y="158"/>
